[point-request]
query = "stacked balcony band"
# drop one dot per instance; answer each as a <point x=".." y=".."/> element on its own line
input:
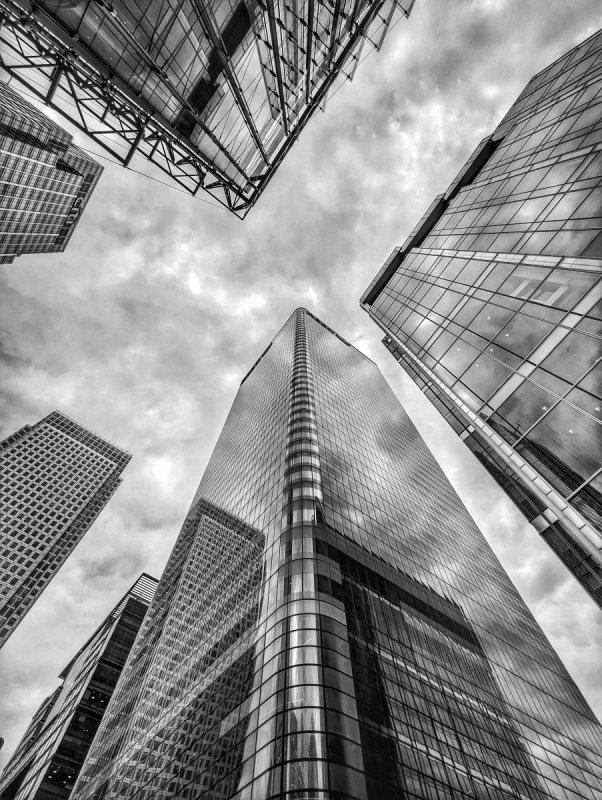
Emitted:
<point x="308" y="734"/>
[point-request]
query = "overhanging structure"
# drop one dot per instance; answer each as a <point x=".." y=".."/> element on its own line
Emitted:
<point x="214" y="94"/>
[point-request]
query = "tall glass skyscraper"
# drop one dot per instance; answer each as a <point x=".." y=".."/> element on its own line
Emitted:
<point x="493" y="306"/>
<point x="47" y="760"/>
<point x="213" y="92"/>
<point x="45" y="180"/>
<point x="331" y="624"/>
<point x="57" y="476"/>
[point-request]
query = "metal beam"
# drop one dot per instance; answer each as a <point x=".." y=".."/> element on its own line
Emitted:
<point x="277" y="65"/>
<point x="216" y="40"/>
<point x="386" y="23"/>
<point x="335" y="24"/>
<point x="308" y="49"/>
<point x="58" y="72"/>
<point x="94" y="95"/>
<point x="362" y="26"/>
<point x="134" y="147"/>
<point x="108" y="9"/>
<point x="86" y="91"/>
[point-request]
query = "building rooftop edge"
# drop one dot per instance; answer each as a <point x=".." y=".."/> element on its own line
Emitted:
<point x="88" y="430"/>
<point x="320" y="322"/>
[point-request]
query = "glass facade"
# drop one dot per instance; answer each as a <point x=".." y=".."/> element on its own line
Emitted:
<point x="57" y="476"/>
<point x="332" y="625"/>
<point x="493" y="305"/>
<point x="47" y="761"/>
<point x="45" y="180"/>
<point x="213" y="92"/>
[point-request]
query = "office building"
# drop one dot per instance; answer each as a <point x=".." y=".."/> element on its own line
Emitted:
<point x="47" y="761"/>
<point x="212" y="93"/>
<point x="493" y="306"/>
<point x="57" y="477"/>
<point x="332" y="624"/>
<point x="45" y="180"/>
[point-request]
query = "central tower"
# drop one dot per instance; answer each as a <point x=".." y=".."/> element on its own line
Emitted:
<point x="331" y="624"/>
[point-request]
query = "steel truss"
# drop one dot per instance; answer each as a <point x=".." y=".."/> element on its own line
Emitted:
<point x="55" y="67"/>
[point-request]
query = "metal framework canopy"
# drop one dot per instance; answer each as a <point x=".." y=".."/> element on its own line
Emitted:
<point x="213" y="92"/>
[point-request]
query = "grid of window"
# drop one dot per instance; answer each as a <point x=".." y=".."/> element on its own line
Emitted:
<point x="578" y="558"/>
<point x="539" y="192"/>
<point x="331" y="623"/>
<point x="49" y="757"/>
<point x="499" y="297"/>
<point x="508" y="339"/>
<point x="45" y="181"/>
<point x="56" y="478"/>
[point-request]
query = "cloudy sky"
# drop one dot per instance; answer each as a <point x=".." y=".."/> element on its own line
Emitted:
<point x="144" y="328"/>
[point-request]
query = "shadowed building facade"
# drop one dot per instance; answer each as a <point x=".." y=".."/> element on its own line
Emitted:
<point x="47" y="761"/>
<point x="212" y="92"/>
<point x="45" y="180"/>
<point x="493" y="306"/>
<point x="57" y="476"/>
<point x="331" y="624"/>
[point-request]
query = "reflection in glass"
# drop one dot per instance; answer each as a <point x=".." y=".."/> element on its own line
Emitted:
<point x="513" y="251"/>
<point x="371" y="649"/>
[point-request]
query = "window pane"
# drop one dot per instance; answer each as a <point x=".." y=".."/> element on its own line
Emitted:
<point x="579" y="438"/>
<point x="485" y="376"/>
<point x="522" y="334"/>
<point x="573" y="356"/>
<point x="525" y="406"/>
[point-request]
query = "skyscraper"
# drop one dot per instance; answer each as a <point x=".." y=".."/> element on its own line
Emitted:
<point x="48" y="758"/>
<point x="57" y="477"/>
<point x="331" y="624"/>
<point x="45" y="180"/>
<point x="492" y="305"/>
<point x="212" y="93"/>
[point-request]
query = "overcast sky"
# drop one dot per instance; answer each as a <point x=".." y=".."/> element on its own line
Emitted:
<point x="144" y="328"/>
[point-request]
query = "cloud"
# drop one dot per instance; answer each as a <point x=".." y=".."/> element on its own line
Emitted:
<point x="144" y="327"/>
